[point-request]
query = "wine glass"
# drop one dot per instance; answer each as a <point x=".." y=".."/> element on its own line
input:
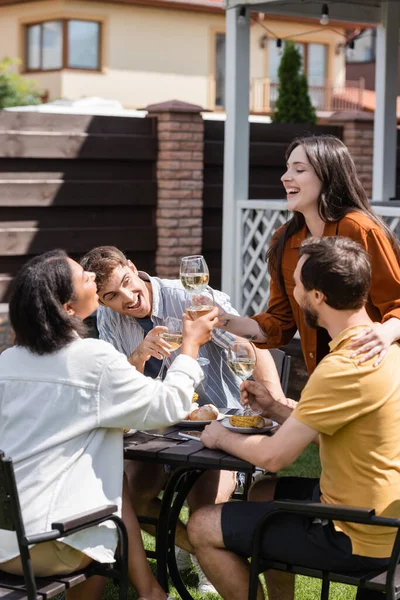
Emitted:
<point x="198" y="304"/>
<point x="242" y="361"/>
<point x="173" y="336"/>
<point x="194" y="273"/>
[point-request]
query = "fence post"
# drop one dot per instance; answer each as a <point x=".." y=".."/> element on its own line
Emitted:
<point x="358" y="135"/>
<point x="180" y="162"/>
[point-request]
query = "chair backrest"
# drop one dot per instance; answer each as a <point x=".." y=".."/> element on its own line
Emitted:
<point x="10" y="509"/>
<point x="282" y="363"/>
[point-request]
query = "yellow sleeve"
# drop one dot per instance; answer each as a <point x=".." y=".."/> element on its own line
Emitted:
<point x="332" y="397"/>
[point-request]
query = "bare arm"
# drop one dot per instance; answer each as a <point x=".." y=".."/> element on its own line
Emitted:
<point x="241" y="326"/>
<point x="273" y="406"/>
<point x="266" y="372"/>
<point x="271" y="453"/>
<point x="262" y="397"/>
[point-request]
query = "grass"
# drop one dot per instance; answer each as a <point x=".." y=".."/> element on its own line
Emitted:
<point x="307" y="465"/>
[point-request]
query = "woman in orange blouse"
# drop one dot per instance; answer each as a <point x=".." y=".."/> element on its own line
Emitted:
<point x="327" y="198"/>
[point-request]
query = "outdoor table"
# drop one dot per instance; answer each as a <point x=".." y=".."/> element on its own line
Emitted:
<point x="189" y="459"/>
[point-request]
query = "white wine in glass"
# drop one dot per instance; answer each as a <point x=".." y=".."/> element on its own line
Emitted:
<point x="174" y="339"/>
<point x="242" y="361"/>
<point x="173" y="336"/>
<point x="194" y="273"/>
<point x="199" y="304"/>
<point x="243" y="367"/>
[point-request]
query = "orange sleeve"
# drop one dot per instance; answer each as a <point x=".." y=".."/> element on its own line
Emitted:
<point x="385" y="284"/>
<point x="278" y="321"/>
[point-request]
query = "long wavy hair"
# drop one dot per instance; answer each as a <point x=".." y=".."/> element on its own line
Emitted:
<point x="341" y="193"/>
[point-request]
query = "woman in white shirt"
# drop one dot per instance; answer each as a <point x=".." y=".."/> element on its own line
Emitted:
<point x="64" y="401"/>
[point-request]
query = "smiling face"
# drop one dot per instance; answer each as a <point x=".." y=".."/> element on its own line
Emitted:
<point x="85" y="299"/>
<point x="126" y="293"/>
<point x="303" y="188"/>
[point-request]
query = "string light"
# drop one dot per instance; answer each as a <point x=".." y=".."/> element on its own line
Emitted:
<point x="324" y="17"/>
<point x="324" y="20"/>
<point x="242" y="16"/>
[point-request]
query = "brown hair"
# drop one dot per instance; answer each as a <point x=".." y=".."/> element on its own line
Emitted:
<point x="339" y="268"/>
<point x="341" y="193"/>
<point x="102" y="261"/>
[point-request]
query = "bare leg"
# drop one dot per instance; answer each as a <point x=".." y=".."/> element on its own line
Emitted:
<point x="145" y="483"/>
<point x="139" y="571"/>
<point x="280" y="586"/>
<point x="218" y="563"/>
<point x="93" y="588"/>
<point x="213" y="487"/>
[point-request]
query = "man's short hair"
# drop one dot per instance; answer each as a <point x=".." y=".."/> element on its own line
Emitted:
<point x="102" y="261"/>
<point x="339" y="268"/>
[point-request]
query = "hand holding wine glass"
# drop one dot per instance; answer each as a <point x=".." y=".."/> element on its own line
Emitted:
<point x="197" y="332"/>
<point x="198" y="304"/>
<point x="194" y="273"/>
<point x="242" y="361"/>
<point x="173" y="336"/>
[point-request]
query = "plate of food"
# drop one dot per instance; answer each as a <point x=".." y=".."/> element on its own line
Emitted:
<point x="248" y="424"/>
<point x="201" y="415"/>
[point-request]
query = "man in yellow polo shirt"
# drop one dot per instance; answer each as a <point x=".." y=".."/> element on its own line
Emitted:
<point x="351" y="409"/>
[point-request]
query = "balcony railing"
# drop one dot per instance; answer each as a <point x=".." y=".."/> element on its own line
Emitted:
<point x="329" y="97"/>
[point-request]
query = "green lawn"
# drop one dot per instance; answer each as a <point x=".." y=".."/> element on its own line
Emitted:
<point x="307" y="465"/>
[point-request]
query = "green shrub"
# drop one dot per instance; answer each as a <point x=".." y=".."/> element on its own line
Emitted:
<point x="15" y="90"/>
<point x="294" y="104"/>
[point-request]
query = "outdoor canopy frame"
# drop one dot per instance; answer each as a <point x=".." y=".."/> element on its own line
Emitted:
<point x="382" y="14"/>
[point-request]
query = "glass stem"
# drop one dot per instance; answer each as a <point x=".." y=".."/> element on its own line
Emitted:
<point x="160" y="374"/>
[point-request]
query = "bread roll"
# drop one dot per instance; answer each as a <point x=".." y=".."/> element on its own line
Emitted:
<point x="208" y="412"/>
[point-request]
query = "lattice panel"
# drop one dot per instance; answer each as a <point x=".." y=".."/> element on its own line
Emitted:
<point x="258" y="224"/>
<point x="258" y="227"/>
<point x="394" y="224"/>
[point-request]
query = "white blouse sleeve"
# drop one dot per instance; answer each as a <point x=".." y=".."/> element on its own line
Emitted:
<point x="128" y="399"/>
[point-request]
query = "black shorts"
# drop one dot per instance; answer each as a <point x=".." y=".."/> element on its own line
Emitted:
<point x="293" y="539"/>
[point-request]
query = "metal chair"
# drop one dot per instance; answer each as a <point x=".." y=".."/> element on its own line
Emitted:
<point x="282" y="363"/>
<point x="383" y="580"/>
<point x="30" y="587"/>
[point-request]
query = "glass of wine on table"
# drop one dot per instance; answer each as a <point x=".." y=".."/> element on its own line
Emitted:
<point x="194" y="273"/>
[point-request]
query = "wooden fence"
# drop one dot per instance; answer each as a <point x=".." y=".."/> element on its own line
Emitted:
<point x="75" y="182"/>
<point x="268" y="143"/>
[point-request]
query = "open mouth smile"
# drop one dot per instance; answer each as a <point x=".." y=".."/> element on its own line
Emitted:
<point x="290" y="192"/>
<point x="135" y="304"/>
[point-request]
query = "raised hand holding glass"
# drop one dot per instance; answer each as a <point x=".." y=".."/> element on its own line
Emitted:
<point x="198" y="304"/>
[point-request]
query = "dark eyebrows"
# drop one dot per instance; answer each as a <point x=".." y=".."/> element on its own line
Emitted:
<point x="112" y="291"/>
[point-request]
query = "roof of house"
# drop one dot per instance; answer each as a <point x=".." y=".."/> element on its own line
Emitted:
<point x="196" y="5"/>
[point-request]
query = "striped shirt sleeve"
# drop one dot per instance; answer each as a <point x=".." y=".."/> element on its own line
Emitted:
<point x="110" y="330"/>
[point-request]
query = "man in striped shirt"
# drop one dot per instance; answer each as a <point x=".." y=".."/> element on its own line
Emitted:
<point x="133" y="308"/>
